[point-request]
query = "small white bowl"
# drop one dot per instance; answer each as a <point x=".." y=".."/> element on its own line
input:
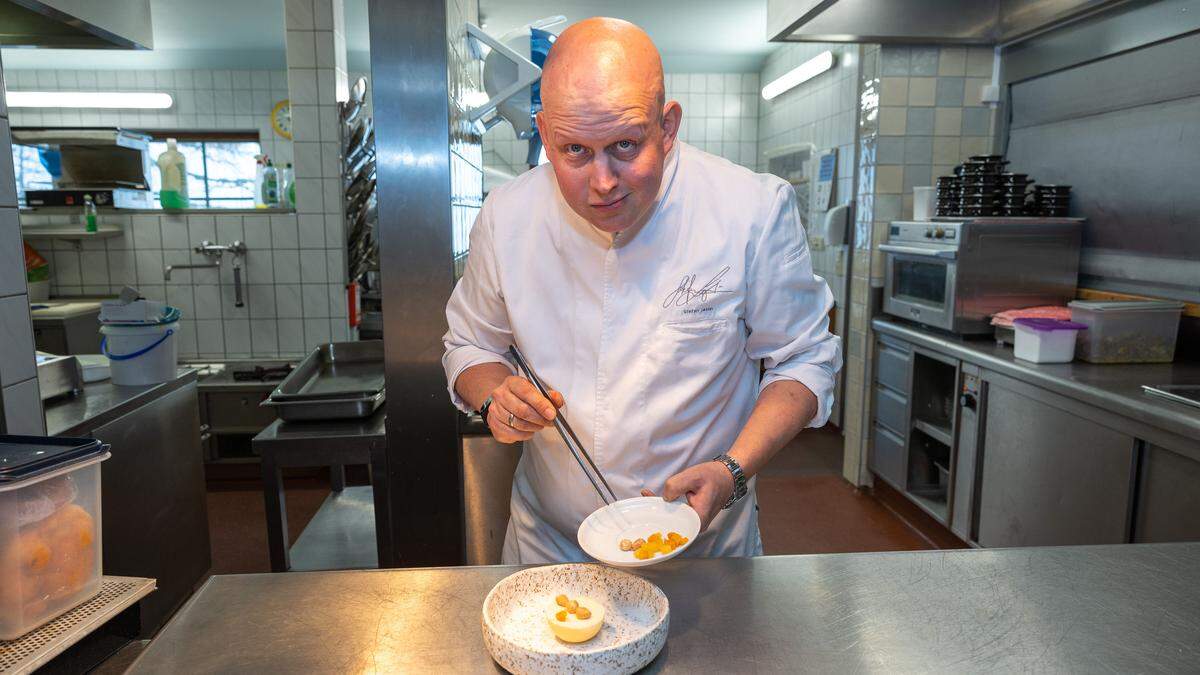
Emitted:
<point x="600" y="534"/>
<point x="517" y="635"/>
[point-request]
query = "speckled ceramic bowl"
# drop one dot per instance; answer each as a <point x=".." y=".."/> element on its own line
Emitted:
<point x="515" y="631"/>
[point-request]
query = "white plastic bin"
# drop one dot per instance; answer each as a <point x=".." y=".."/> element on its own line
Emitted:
<point x="50" y="536"/>
<point x="141" y="355"/>
<point x="1127" y="331"/>
<point x="1045" y="340"/>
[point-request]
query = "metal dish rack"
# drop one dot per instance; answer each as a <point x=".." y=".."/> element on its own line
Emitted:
<point x="361" y="217"/>
<point x="35" y="649"/>
<point x="359" y="184"/>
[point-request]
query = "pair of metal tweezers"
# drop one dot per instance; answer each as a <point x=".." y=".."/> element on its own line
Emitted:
<point x="568" y="434"/>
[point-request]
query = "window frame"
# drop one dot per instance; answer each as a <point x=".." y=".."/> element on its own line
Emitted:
<point x="204" y="137"/>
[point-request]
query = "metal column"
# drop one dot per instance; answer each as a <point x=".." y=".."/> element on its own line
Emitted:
<point x="409" y="59"/>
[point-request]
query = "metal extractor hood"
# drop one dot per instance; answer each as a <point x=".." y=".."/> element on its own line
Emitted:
<point x="988" y="22"/>
<point x="76" y="24"/>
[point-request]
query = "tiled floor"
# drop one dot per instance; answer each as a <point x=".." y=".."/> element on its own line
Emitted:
<point x="805" y="507"/>
<point x="237" y="521"/>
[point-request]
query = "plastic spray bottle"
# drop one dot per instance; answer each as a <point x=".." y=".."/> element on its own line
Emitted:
<point x="172" y="166"/>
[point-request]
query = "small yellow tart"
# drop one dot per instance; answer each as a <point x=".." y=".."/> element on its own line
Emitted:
<point x="574" y="629"/>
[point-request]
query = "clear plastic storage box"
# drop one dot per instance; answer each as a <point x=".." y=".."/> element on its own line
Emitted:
<point x="49" y="528"/>
<point x="1042" y="340"/>
<point x="1127" y="331"/>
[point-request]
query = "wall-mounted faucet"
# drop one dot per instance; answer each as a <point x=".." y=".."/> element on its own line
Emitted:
<point x="214" y="252"/>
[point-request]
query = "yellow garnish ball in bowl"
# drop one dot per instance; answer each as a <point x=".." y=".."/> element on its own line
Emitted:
<point x="579" y="625"/>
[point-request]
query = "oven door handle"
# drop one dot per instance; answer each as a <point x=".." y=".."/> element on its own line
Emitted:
<point x="919" y="250"/>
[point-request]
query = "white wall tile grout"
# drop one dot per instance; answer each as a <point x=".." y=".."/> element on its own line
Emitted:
<point x="287" y="287"/>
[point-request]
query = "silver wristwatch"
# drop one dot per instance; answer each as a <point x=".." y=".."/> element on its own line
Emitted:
<point x="739" y="478"/>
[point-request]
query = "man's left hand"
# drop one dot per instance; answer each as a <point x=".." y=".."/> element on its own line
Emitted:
<point x="707" y="487"/>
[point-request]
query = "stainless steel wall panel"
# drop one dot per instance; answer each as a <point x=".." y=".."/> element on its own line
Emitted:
<point x="1123" y="132"/>
<point x="1127" y="26"/>
<point x="417" y="63"/>
<point x="1159" y="73"/>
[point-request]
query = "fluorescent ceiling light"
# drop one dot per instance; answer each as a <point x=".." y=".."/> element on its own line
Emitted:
<point x="89" y="99"/>
<point x="799" y="75"/>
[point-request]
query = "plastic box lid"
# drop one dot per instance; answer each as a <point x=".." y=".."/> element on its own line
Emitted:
<point x="1045" y="325"/>
<point x="24" y="457"/>
<point x="1125" y="305"/>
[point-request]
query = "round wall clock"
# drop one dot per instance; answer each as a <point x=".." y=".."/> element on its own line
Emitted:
<point x="281" y="118"/>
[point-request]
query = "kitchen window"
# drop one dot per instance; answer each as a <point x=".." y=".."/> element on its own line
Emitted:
<point x="221" y="167"/>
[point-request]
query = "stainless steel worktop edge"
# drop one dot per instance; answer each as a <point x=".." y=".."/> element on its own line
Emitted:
<point x="101" y="402"/>
<point x="1047" y="608"/>
<point x="1115" y="388"/>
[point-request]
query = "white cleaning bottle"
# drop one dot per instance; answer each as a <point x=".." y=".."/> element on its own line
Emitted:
<point x="172" y="167"/>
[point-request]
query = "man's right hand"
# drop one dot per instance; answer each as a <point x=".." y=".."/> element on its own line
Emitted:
<point x="519" y="410"/>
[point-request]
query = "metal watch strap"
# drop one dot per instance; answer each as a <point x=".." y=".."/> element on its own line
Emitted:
<point x="483" y="409"/>
<point x="739" y="478"/>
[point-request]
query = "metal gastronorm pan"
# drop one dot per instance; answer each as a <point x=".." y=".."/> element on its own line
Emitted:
<point x="337" y="380"/>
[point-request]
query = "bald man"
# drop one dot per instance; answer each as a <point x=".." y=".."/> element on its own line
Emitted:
<point x="646" y="282"/>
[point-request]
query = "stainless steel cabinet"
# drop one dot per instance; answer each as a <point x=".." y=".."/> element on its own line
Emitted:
<point x="154" y="502"/>
<point x="488" y="468"/>
<point x="1053" y="474"/>
<point x="1168" y="497"/>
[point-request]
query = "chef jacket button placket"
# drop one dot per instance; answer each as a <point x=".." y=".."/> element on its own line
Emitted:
<point x="601" y="380"/>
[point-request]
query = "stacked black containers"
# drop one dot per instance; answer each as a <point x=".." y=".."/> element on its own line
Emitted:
<point x="981" y="188"/>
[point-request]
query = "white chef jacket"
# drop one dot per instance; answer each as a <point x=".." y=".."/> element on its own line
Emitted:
<point x="654" y="336"/>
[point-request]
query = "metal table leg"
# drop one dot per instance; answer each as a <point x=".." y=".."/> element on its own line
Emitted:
<point x="337" y="477"/>
<point x="276" y="505"/>
<point x="379" y="486"/>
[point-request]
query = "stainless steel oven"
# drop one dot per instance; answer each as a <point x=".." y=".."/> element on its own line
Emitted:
<point x="954" y="274"/>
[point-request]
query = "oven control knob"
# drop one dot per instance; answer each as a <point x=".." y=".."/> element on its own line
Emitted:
<point x="939" y="233"/>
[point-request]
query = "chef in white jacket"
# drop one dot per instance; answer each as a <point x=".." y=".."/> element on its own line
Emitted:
<point x="646" y="282"/>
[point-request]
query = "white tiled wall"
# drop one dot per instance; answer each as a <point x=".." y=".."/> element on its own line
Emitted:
<point x="930" y="119"/>
<point x="204" y="100"/>
<point x="821" y="112"/>
<point x="720" y="115"/>
<point x="292" y="277"/>
<point x="20" y="404"/>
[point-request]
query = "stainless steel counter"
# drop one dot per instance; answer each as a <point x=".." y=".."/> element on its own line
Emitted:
<point x="1078" y="609"/>
<point x="103" y="402"/>
<point x="1116" y="388"/>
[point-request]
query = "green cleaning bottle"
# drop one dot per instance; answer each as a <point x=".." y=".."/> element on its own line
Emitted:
<point x="89" y="214"/>
<point x="289" y="183"/>
<point x="172" y="166"/>
<point x="270" y="185"/>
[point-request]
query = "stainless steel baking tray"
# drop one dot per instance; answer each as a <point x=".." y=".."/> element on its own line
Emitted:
<point x="325" y="409"/>
<point x="337" y="380"/>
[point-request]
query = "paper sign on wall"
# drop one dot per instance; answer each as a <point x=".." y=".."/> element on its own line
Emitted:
<point x="826" y="171"/>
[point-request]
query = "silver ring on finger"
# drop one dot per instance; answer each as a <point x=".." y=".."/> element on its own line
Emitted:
<point x="511" y="418"/>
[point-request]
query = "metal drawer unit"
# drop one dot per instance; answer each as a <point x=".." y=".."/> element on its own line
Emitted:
<point x="888" y="457"/>
<point x="237" y="412"/>
<point x="893" y="363"/>
<point x="230" y="411"/>
<point x="890" y="411"/>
